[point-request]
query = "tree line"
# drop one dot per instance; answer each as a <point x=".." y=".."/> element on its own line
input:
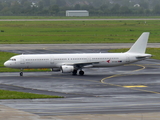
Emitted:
<point x="59" y="7"/>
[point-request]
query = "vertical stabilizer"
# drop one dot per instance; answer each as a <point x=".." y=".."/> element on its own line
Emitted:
<point x="140" y="45"/>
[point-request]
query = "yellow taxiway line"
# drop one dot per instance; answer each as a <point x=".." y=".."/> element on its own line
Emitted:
<point x="133" y="87"/>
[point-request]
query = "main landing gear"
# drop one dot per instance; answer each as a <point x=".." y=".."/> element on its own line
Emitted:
<point x="74" y="72"/>
<point x="81" y="72"/>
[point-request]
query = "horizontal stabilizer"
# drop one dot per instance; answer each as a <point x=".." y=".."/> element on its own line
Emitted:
<point x="144" y="56"/>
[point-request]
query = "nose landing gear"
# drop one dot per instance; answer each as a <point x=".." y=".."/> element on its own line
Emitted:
<point x="21" y="73"/>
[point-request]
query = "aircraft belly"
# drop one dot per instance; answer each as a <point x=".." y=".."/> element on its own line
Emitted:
<point x="104" y="64"/>
<point x="37" y="65"/>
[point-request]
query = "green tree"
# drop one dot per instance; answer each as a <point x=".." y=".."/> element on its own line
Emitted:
<point x="61" y="2"/>
<point x="125" y="10"/>
<point x="1" y="6"/>
<point x="115" y="9"/>
<point x="54" y="9"/>
<point x="144" y="4"/>
<point x="26" y="7"/>
<point x="156" y="9"/>
<point x="47" y="3"/>
<point x="16" y="7"/>
<point x="77" y="7"/>
<point x="105" y="9"/>
<point x="40" y="6"/>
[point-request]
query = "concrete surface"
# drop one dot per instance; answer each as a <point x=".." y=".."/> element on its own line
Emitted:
<point x="99" y="95"/>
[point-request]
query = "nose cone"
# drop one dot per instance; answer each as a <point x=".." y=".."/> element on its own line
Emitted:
<point x="6" y="64"/>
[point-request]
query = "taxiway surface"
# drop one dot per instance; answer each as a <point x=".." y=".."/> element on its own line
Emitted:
<point x="121" y="19"/>
<point x="125" y="89"/>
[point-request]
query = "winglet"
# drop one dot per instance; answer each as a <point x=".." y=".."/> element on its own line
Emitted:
<point x="140" y="45"/>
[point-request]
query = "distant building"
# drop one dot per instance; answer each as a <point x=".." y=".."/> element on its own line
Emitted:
<point x="34" y="5"/>
<point x="77" y="13"/>
<point x="137" y="5"/>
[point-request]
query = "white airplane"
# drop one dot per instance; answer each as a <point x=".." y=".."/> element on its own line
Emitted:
<point x="71" y="63"/>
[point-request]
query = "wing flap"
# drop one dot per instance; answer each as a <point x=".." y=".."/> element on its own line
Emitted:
<point x="80" y="65"/>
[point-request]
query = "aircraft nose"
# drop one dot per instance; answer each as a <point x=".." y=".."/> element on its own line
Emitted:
<point x="6" y="64"/>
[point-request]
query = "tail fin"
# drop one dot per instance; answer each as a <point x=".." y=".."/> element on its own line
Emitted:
<point x="140" y="45"/>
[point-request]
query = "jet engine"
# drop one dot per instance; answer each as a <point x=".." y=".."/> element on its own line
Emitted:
<point x="67" y="69"/>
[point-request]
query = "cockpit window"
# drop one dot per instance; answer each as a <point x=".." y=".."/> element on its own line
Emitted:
<point x="12" y="59"/>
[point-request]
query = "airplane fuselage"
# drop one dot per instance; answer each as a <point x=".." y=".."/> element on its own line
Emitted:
<point x="57" y="60"/>
<point x="68" y="63"/>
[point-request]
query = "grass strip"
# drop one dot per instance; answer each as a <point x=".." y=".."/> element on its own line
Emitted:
<point x="5" y="94"/>
<point x="65" y="32"/>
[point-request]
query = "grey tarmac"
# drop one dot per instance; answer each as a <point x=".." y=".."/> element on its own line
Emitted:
<point x="94" y="19"/>
<point x="129" y="92"/>
<point x="21" y="47"/>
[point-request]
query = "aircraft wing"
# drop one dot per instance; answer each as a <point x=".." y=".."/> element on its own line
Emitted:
<point x="81" y="65"/>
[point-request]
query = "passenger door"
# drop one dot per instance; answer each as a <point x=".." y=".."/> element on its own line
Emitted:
<point x="22" y="60"/>
<point x="51" y="59"/>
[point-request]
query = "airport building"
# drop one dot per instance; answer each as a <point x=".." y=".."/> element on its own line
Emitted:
<point x="77" y="13"/>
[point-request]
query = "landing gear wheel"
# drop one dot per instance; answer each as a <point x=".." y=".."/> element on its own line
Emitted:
<point x="81" y="72"/>
<point x="21" y="74"/>
<point x="74" y="72"/>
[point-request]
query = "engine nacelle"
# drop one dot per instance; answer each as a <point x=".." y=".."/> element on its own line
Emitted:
<point x="67" y="69"/>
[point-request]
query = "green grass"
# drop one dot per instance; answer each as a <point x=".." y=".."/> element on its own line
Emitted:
<point x="154" y="51"/>
<point x="5" y="94"/>
<point x="52" y="32"/>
